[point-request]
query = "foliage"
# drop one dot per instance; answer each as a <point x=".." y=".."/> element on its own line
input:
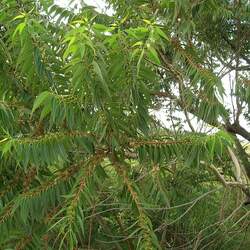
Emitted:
<point x="84" y="162"/>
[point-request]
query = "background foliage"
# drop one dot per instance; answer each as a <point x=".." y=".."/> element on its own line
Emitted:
<point x="84" y="162"/>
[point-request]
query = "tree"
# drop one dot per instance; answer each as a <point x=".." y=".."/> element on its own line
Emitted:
<point x="85" y="164"/>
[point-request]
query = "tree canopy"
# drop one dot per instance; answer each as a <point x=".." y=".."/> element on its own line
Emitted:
<point x="86" y="164"/>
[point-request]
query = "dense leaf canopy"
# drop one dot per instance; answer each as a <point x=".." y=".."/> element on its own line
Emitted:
<point x="84" y="161"/>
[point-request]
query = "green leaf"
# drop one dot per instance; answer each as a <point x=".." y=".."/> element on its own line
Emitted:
<point x="19" y="29"/>
<point x="153" y="55"/>
<point x="40" y="100"/>
<point x="19" y="17"/>
<point x="100" y="27"/>
<point x="161" y="33"/>
<point x="98" y="72"/>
